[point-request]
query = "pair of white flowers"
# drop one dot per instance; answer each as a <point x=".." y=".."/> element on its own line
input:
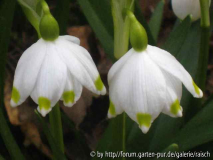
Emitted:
<point x="141" y="83"/>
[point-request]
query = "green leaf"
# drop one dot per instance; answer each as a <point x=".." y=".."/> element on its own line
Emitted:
<point x="58" y="155"/>
<point x="198" y="130"/>
<point x="62" y="15"/>
<point x="98" y="14"/>
<point x="177" y="37"/>
<point x="167" y="153"/>
<point x="32" y="11"/>
<point x="78" y="136"/>
<point x="1" y="157"/>
<point x="7" y="8"/>
<point x="156" y="19"/>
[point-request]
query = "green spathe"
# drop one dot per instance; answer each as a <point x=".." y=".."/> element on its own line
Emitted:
<point x="175" y="107"/>
<point x="138" y="36"/>
<point x="99" y="84"/>
<point x="44" y="103"/>
<point x="48" y="26"/>
<point x="112" y="109"/>
<point x="15" y="95"/>
<point x="69" y="96"/>
<point x="144" y="119"/>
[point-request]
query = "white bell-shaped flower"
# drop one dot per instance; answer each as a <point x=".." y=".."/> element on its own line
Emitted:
<point x="146" y="83"/>
<point x="52" y="70"/>
<point x="183" y="8"/>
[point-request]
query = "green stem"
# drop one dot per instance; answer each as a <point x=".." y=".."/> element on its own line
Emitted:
<point x="204" y="47"/>
<point x="121" y="26"/>
<point x="205" y="18"/>
<point x="56" y="126"/>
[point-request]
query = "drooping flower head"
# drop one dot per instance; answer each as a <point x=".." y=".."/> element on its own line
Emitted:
<point x="55" y="67"/>
<point x="147" y="81"/>
<point x="183" y="8"/>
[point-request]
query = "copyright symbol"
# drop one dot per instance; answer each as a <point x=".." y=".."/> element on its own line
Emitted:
<point x="92" y="154"/>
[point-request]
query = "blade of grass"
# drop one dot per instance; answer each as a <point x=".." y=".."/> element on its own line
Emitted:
<point x="6" y="17"/>
<point x="156" y="19"/>
<point x="58" y="155"/>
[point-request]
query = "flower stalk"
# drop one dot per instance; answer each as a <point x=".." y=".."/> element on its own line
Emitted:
<point x="204" y="40"/>
<point x="56" y="126"/>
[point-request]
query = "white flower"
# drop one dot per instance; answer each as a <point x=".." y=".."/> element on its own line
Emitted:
<point x="183" y="8"/>
<point x="52" y="70"/>
<point x="144" y="84"/>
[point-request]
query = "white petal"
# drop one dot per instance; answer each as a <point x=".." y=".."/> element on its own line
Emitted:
<point x="141" y="89"/>
<point x="173" y="96"/>
<point x="183" y="8"/>
<point x="81" y="66"/>
<point x="116" y="102"/>
<point x="51" y="80"/>
<point x="169" y="63"/>
<point x="72" y="91"/>
<point x="27" y="71"/>
<point x="71" y="39"/>
<point x="119" y="64"/>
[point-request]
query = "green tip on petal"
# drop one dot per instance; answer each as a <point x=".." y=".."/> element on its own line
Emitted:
<point x="197" y="90"/>
<point x="99" y="84"/>
<point x="144" y="119"/>
<point x="15" y="95"/>
<point x="175" y="107"/>
<point x="69" y="96"/>
<point x="112" y="109"/>
<point x="44" y="103"/>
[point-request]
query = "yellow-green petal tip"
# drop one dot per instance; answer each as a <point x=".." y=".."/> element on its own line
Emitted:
<point x="112" y="109"/>
<point x="44" y="103"/>
<point x="99" y="84"/>
<point x="144" y="119"/>
<point x="69" y="96"/>
<point x="15" y="95"/>
<point x="175" y="107"/>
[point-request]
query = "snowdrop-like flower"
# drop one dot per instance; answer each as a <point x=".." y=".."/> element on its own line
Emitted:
<point x="144" y="84"/>
<point x="54" y="68"/>
<point x="147" y="81"/>
<point x="183" y="8"/>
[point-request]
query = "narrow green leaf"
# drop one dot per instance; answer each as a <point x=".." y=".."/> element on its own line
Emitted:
<point x="168" y="153"/>
<point x="62" y="15"/>
<point x="79" y="136"/>
<point x="98" y="14"/>
<point x="111" y="139"/>
<point x="156" y="19"/>
<point x="7" y="8"/>
<point x="56" y="126"/>
<point x="177" y="37"/>
<point x="198" y="130"/>
<point x="1" y="157"/>
<point x="32" y="11"/>
<point x="58" y="155"/>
